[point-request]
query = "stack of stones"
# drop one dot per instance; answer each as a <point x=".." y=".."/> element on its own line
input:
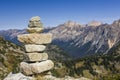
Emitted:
<point x="37" y="61"/>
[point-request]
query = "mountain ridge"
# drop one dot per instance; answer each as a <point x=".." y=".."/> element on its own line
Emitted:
<point x="77" y="39"/>
<point x="87" y="39"/>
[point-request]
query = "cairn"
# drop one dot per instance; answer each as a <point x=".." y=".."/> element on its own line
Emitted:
<point x="35" y="41"/>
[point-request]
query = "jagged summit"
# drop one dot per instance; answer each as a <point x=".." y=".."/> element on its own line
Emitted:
<point x="116" y="23"/>
<point x="75" y="24"/>
<point x="94" y="23"/>
<point x="71" y="23"/>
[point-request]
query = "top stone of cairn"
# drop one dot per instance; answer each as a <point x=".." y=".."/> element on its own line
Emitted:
<point x="35" y="22"/>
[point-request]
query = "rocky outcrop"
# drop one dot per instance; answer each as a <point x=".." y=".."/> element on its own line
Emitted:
<point x="37" y="61"/>
<point x="94" y="23"/>
<point x="18" y="76"/>
<point x="71" y="24"/>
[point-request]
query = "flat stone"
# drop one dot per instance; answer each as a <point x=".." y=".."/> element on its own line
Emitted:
<point x="37" y="56"/>
<point x="35" y="38"/>
<point x="34" y="48"/>
<point x="35" y="68"/>
<point x="35" y="30"/>
<point x="42" y="66"/>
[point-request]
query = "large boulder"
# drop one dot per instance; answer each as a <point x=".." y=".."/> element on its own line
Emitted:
<point x="35" y="68"/>
<point x="34" y="48"/>
<point x="37" y="56"/>
<point x="35" y="38"/>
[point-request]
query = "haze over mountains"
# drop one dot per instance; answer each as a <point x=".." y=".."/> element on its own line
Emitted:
<point x="77" y="39"/>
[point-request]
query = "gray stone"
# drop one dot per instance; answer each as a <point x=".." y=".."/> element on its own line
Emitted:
<point x="35" y="68"/>
<point x="35" y="38"/>
<point x="42" y="66"/>
<point x="37" y="56"/>
<point x="18" y="76"/>
<point x="35" y="30"/>
<point x="35" y="22"/>
<point x="25" y="68"/>
<point x="34" y="48"/>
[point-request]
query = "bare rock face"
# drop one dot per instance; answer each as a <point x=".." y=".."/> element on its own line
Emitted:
<point x="35" y="22"/>
<point x="71" y="24"/>
<point x="37" y="56"/>
<point x="94" y="23"/>
<point x="34" y="30"/>
<point x="35" y="38"/>
<point x="34" y="48"/>
<point x="35" y="68"/>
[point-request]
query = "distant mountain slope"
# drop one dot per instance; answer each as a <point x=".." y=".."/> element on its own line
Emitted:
<point x="79" y="40"/>
<point x="95" y="67"/>
<point x="11" y="34"/>
<point x="56" y="53"/>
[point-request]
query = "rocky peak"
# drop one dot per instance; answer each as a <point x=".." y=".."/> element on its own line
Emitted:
<point x="116" y="23"/>
<point x="94" y="23"/>
<point x="71" y="24"/>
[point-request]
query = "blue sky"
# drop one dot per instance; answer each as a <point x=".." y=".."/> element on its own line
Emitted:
<point x="15" y="14"/>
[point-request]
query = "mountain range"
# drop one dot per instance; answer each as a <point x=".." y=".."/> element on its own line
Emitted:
<point x="98" y="43"/>
<point x="77" y="39"/>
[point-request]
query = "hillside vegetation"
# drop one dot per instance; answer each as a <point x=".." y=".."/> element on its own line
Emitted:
<point x="96" y="67"/>
<point x="10" y="56"/>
